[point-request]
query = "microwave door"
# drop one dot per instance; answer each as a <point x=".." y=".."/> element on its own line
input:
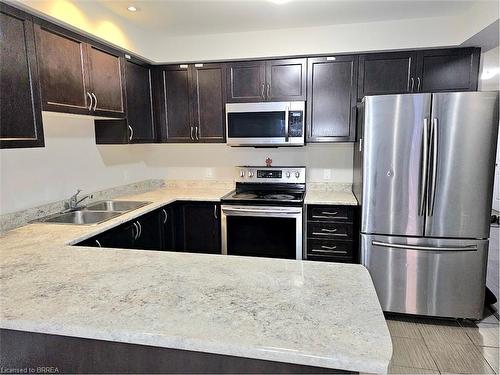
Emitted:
<point x="256" y="127"/>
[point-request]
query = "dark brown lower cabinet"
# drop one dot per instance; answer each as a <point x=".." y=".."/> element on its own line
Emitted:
<point x="333" y="233"/>
<point x="20" y="105"/>
<point x="181" y="226"/>
<point x="47" y="353"/>
<point x="198" y="227"/>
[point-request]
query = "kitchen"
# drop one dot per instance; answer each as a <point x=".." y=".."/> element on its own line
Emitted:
<point x="236" y="158"/>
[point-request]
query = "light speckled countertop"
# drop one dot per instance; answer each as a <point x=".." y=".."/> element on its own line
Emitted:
<point x="310" y="313"/>
<point x="328" y="197"/>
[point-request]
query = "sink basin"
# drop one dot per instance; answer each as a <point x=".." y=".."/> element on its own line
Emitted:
<point x="117" y="206"/>
<point x="81" y="217"/>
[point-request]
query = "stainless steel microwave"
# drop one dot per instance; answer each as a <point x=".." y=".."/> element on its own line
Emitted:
<point x="265" y="124"/>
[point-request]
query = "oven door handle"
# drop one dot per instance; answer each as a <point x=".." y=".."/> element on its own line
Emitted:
<point x="258" y="211"/>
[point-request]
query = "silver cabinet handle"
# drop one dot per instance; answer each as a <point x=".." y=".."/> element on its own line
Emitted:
<point x="424" y="166"/>
<point x="328" y="230"/>
<point x="140" y="229"/>
<point x="191" y="134"/>
<point x="90" y="96"/>
<point x="196" y="135"/>
<point x="412" y="84"/>
<point x="98" y="243"/>
<point x="135" y="235"/>
<point x="328" y="247"/>
<point x="428" y="248"/>
<point x="166" y="216"/>
<point x="95" y="101"/>
<point x="268" y="91"/>
<point x="131" y="133"/>
<point x="434" y="143"/>
<point x="418" y="83"/>
<point x="215" y="212"/>
<point x="329" y="213"/>
<point x="329" y="234"/>
<point x="262" y="91"/>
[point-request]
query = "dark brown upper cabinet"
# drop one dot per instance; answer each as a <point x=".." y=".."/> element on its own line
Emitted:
<point x="246" y="81"/>
<point x="286" y="79"/>
<point x="20" y="109"/>
<point x="191" y="103"/>
<point x="138" y="126"/>
<point x="76" y="76"/>
<point x="139" y="102"/>
<point x="331" y="98"/>
<point x="272" y="80"/>
<point x="454" y="69"/>
<point x="386" y="73"/>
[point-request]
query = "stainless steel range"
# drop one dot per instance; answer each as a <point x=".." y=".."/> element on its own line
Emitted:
<point x="263" y="215"/>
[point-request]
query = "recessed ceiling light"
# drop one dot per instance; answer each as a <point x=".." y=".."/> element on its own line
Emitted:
<point x="132" y="8"/>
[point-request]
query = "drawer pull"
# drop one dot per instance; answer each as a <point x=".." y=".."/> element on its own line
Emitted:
<point x="328" y="230"/>
<point x="329" y="216"/>
<point x="343" y="252"/>
<point x="329" y="234"/>
<point x="328" y="247"/>
<point x="329" y="213"/>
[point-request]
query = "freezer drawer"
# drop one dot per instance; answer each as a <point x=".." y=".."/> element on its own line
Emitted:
<point x="422" y="276"/>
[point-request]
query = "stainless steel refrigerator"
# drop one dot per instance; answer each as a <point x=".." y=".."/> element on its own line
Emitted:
<point x="424" y="169"/>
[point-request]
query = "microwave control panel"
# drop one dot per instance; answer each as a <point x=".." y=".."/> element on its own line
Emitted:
<point x="295" y="123"/>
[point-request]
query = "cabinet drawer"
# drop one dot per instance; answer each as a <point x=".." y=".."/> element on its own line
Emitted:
<point x="329" y="249"/>
<point x="330" y="213"/>
<point x="329" y="230"/>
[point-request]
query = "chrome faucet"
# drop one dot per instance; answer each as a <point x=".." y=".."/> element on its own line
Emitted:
<point x="73" y="201"/>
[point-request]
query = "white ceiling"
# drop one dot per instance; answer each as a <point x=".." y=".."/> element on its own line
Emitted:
<point x="195" y="17"/>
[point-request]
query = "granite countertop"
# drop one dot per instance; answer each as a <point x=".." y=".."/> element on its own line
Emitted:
<point x="341" y="198"/>
<point x="303" y="312"/>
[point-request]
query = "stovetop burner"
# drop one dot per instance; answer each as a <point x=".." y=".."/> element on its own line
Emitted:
<point x="245" y="196"/>
<point x="281" y="197"/>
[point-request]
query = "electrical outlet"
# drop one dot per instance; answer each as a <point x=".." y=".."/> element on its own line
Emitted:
<point x="327" y="174"/>
<point x="209" y="173"/>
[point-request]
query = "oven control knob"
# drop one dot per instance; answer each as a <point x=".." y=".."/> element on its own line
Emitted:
<point x="297" y="174"/>
<point x="242" y="173"/>
<point x="287" y="174"/>
<point x="250" y="174"/>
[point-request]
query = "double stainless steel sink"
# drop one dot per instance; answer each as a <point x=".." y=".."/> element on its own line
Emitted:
<point x="94" y="213"/>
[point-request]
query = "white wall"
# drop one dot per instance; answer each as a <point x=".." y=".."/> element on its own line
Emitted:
<point x="71" y="159"/>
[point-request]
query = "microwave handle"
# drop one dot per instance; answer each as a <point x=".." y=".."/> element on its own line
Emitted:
<point x="287" y="112"/>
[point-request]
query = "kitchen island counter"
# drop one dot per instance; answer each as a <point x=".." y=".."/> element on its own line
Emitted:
<point x="300" y="312"/>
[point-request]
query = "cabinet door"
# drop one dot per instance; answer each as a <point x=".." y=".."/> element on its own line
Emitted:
<point x="139" y="102"/>
<point x="386" y="73"/>
<point x="246" y="82"/>
<point x="200" y="223"/>
<point x="64" y="83"/>
<point x="167" y="223"/>
<point x="331" y="101"/>
<point x="20" y="112"/>
<point x="448" y="70"/>
<point x="178" y="125"/>
<point x="286" y="80"/>
<point x="149" y="232"/>
<point x="105" y="70"/>
<point x="208" y="98"/>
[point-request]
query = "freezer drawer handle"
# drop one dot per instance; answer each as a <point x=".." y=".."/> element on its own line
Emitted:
<point x="428" y="248"/>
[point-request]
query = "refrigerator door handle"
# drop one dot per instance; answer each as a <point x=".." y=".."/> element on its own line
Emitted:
<point x="427" y="248"/>
<point x="423" y="172"/>
<point x="434" y="145"/>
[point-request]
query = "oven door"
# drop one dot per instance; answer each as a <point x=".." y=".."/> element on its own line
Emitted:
<point x="262" y="231"/>
<point x="265" y="124"/>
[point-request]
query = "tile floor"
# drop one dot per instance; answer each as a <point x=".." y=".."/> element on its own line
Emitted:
<point x="428" y="346"/>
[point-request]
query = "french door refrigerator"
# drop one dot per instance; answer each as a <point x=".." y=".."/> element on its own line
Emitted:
<point x="425" y="169"/>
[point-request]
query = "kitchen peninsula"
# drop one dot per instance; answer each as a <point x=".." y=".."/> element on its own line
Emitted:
<point x="241" y="314"/>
